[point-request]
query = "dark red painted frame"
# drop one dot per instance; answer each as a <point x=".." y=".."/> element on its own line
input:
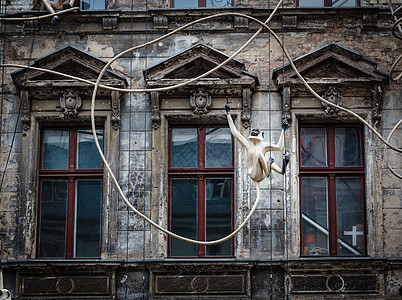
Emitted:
<point x="327" y="3"/>
<point x="331" y="172"/>
<point x="200" y="173"/>
<point x="201" y="3"/>
<point x="70" y="174"/>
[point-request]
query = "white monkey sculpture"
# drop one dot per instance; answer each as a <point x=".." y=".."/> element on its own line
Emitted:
<point x="257" y="168"/>
<point x="58" y="4"/>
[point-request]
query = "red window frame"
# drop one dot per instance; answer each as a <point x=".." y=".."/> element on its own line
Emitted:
<point x="201" y="3"/>
<point x="200" y="173"/>
<point x="327" y="3"/>
<point x="331" y="172"/>
<point x="71" y="174"/>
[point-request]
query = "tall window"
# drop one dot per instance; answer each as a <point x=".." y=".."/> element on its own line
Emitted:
<point x="327" y="3"/>
<point x="201" y="189"/>
<point x="332" y="190"/>
<point x="201" y="3"/>
<point x="70" y="193"/>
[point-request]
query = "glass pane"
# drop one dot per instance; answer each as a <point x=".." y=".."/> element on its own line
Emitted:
<point x="311" y="3"/>
<point x="344" y="3"/>
<point x="219" y="3"/>
<point x="218" y="148"/>
<point x="92" y="4"/>
<point x="88" y="217"/>
<point x="350" y="215"/>
<point x="183" y="216"/>
<point x="313" y="147"/>
<point x="184" y="147"/>
<point x="314" y="215"/>
<point x="87" y="154"/>
<point x="53" y="211"/>
<point x="348" y="147"/>
<point x="218" y="214"/>
<point x="185" y="3"/>
<point x="55" y="149"/>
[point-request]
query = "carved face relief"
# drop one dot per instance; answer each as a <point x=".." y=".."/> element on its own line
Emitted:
<point x="70" y="101"/>
<point x="332" y="95"/>
<point x="201" y="102"/>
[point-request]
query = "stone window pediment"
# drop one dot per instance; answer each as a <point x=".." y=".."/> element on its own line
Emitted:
<point x="338" y="74"/>
<point x="63" y="97"/>
<point x="205" y="95"/>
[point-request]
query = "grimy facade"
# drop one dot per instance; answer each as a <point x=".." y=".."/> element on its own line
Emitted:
<point x="328" y="228"/>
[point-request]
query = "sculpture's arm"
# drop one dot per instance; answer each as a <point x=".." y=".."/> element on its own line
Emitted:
<point x="233" y="129"/>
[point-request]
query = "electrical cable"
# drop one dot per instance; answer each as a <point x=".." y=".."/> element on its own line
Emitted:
<point x="271" y="282"/>
<point x="129" y="188"/>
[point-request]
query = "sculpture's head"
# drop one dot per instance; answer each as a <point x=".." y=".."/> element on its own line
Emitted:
<point x="256" y="134"/>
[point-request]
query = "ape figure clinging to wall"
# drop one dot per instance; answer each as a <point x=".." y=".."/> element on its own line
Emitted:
<point x="256" y="147"/>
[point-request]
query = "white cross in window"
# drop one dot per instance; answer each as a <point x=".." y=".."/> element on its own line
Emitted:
<point x="354" y="233"/>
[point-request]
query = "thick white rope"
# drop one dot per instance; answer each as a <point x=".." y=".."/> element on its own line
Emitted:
<point x="210" y="71"/>
<point x="388" y="139"/>
<point x="97" y="85"/>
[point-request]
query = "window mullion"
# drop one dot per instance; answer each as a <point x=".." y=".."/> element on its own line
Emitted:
<point x="70" y="218"/>
<point x="332" y="215"/>
<point x="201" y="215"/>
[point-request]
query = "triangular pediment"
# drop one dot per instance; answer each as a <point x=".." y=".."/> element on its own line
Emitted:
<point x="195" y="61"/>
<point x="331" y="64"/>
<point x="68" y="60"/>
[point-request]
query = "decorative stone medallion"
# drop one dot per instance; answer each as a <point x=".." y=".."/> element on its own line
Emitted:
<point x="332" y="95"/>
<point x="200" y="102"/>
<point x="70" y="102"/>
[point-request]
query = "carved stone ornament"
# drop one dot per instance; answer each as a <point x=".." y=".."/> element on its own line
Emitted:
<point x="332" y="95"/>
<point x="286" y="115"/>
<point x="201" y="102"/>
<point x="246" y="113"/>
<point x="26" y="110"/>
<point x="115" y="105"/>
<point x="156" y="112"/>
<point x="377" y="99"/>
<point x="70" y="101"/>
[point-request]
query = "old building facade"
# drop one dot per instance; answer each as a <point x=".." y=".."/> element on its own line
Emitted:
<point x="329" y="228"/>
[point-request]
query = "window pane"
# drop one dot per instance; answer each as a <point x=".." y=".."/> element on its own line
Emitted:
<point x="55" y="149"/>
<point x="184" y="147"/>
<point x="344" y="3"/>
<point x="219" y="3"/>
<point x="349" y="212"/>
<point x="185" y="3"/>
<point x="53" y="211"/>
<point x="348" y="147"/>
<point x="87" y="154"/>
<point x="313" y="147"/>
<point x="218" y="214"/>
<point x="314" y="215"/>
<point x="88" y="217"/>
<point x="92" y="4"/>
<point x="311" y="3"/>
<point x="218" y="148"/>
<point x="184" y="215"/>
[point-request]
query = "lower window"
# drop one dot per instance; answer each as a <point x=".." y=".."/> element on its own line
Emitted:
<point x="200" y="189"/>
<point x="332" y="190"/>
<point x="70" y="194"/>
